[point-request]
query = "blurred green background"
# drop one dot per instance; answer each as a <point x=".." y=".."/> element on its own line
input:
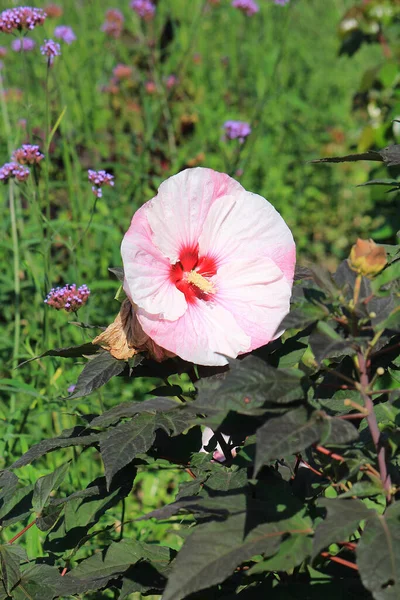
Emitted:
<point x="280" y="70"/>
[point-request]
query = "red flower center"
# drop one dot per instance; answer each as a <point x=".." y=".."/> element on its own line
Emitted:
<point x="191" y="275"/>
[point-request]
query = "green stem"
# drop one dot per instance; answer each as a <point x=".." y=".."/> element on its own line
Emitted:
<point x="373" y="424"/>
<point x="87" y="226"/>
<point x="27" y="87"/>
<point x="6" y="118"/>
<point x="46" y="249"/>
<point x="16" y="268"/>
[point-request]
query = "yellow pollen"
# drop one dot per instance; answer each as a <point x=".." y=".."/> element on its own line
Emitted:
<point x="201" y="282"/>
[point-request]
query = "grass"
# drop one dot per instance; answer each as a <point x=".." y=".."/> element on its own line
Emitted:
<point x="278" y="70"/>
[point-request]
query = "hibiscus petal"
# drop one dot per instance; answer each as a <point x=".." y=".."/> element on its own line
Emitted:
<point x="245" y="224"/>
<point x="206" y="334"/>
<point x="177" y="214"/>
<point x="147" y="272"/>
<point x="255" y="291"/>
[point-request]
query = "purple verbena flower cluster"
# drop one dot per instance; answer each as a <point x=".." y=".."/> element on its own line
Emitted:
<point x="28" y="44"/>
<point x="114" y="23"/>
<point x="237" y="130"/>
<point x="13" y="170"/>
<point x="248" y="7"/>
<point x="144" y="8"/>
<point x="99" y="178"/>
<point x="68" y="297"/>
<point x="22" y="17"/>
<point x="65" y="33"/>
<point x="53" y="11"/>
<point x="171" y="81"/>
<point x="28" y="154"/>
<point x="122" y="71"/>
<point x="51" y="49"/>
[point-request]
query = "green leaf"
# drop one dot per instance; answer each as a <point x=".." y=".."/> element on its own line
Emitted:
<point x="130" y="409"/>
<point x="45" y="485"/>
<point x="68" y="352"/>
<point x="391" y="273"/>
<point x="43" y="582"/>
<point x="302" y="317"/>
<point x="55" y="127"/>
<point x="186" y="504"/>
<point x="83" y="509"/>
<point x="214" y="550"/>
<point x="338" y="431"/>
<point x="95" y="571"/>
<point x="291" y="352"/>
<point x="173" y="422"/>
<point x="249" y="384"/>
<point x="295" y="431"/>
<point x="292" y="551"/>
<point x="10" y="559"/>
<point x="390" y="182"/>
<point x="8" y="485"/>
<point x="18" y="507"/>
<point x="326" y="343"/>
<point x="149" y="574"/>
<point x="378" y="554"/>
<point x="392" y="322"/>
<point x="118" y="272"/>
<point x="122" y="443"/>
<point x="371" y="155"/>
<point x="325" y="280"/>
<point x="287" y="434"/>
<point x="364" y="489"/>
<point x="48" y="517"/>
<point x="342" y="520"/>
<point x="98" y="371"/>
<point x="69" y="437"/>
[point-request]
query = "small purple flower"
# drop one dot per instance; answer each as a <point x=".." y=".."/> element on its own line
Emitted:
<point x="281" y="2"/>
<point x="248" y="7"/>
<point x="13" y="170"/>
<point x="28" y="44"/>
<point x="27" y="155"/>
<point x="144" y="8"/>
<point x="99" y="178"/>
<point x="50" y="49"/>
<point x="237" y="130"/>
<point x="65" y="33"/>
<point x="114" y="23"/>
<point x="71" y="389"/>
<point x="68" y="297"/>
<point x="23" y="17"/>
<point x="171" y="81"/>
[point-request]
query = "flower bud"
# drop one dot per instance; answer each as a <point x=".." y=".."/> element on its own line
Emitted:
<point x="367" y="258"/>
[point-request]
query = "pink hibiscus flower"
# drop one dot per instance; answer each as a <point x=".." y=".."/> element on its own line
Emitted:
<point x="209" y="267"/>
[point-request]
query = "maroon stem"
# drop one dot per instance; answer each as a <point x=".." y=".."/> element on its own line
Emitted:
<point x="20" y="533"/>
<point x="373" y="424"/>
<point x="340" y="561"/>
<point x="351" y="416"/>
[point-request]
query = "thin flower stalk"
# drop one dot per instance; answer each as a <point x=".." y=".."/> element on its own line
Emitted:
<point x="373" y="423"/>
